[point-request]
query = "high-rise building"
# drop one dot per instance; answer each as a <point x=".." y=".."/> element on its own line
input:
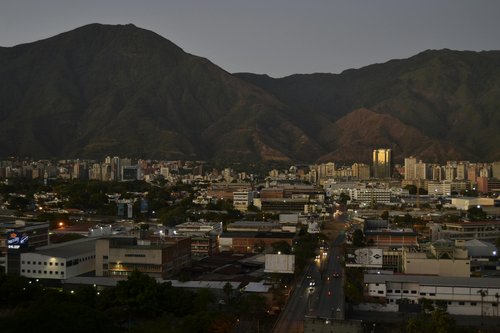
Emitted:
<point x="450" y="172"/>
<point x="361" y="171"/>
<point x="462" y="170"/>
<point x="382" y="163"/>
<point x="410" y="163"/>
<point x="496" y="169"/>
<point x="421" y="170"/>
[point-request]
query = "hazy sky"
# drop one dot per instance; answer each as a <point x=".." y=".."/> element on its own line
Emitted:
<point x="280" y="37"/>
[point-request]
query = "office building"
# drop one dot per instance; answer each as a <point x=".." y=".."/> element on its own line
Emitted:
<point x="382" y="163"/>
<point x="158" y="258"/>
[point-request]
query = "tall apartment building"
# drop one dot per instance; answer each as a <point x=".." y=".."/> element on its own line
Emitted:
<point x="450" y="172"/>
<point x="462" y="168"/>
<point x="361" y="171"/>
<point x="382" y="163"/>
<point x="421" y="170"/>
<point x="410" y="163"/>
<point x="326" y="170"/>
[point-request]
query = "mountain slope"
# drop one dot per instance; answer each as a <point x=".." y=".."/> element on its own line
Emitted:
<point x="121" y="90"/>
<point x="447" y="95"/>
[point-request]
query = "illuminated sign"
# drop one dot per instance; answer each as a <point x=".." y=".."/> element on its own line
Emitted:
<point x="16" y="241"/>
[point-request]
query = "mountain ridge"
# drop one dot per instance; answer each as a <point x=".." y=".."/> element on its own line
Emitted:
<point x="118" y="89"/>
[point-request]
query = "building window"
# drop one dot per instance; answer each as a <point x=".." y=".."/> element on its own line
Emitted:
<point x="57" y="264"/>
<point x="62" y="273"/>
<point x="461" y="303"/>
<point x="473" y="303"/>
<point x="44" y="272"/>
<point x="432" y="294"/>
<point x="104" y="257"/>
<point x="389" y="291"/>
<point x="57" y="272"/>
<point x="62" y="264"/>
<point x="29" y="270"/>
<point x="405" y="291"/>
<point x="380" y="291"/>
<point x="397" y="291"/>
<point x="40" y="263"/>
<point x="422" y="294"/>
<point x="29" y="262"/>
<point x="39" y="272"/>
<point x="50" y="263"/>
<point x="494" y="304"/>
<point x="50" y="272"/>
<point x="22" y="262"/>
<point x="413" y="291"/>
<point x="22" y="270"/>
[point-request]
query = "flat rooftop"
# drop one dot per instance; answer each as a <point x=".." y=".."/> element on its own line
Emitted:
<point x="68" y="249"/>
<point x="444" y="281"/>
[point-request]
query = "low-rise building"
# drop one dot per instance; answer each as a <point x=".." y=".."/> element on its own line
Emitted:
<point x="242" y="199"/>
<point x="442" y="258"/>
<point x="463" y="295"/>
<point x="465" y="203"/>
<point x="483" y="230"/>
<point x="60" y="261"/>
<point x="251" y="242"/>
<point x="204" y="237"/>
<point x="159" y="258"/>
<point x="392" y="238"/>
<point x="17" y="237"/>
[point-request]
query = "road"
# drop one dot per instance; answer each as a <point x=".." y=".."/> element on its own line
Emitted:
<point x="326" y="299"/>
<point x="330" y="301"/>
<point x="292" y="316"/>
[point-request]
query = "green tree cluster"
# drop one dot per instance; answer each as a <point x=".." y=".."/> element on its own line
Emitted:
<point x="139" y="304"/>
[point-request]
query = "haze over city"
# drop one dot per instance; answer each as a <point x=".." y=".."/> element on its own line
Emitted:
<point x="277" y="38"/>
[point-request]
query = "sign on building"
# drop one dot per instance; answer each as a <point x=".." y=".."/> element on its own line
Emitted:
<point x="16" y="240"/>
<point x="280" y="263"/>
<point x="366" y="257"/>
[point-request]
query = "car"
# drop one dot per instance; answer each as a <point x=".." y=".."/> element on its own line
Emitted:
<point x="329" y="293"/>
<point x="312" y="283"/>
<point x="336" y="275"/>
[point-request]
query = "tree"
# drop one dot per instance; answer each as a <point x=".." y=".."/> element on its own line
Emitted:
<point x="343" y="198"/>
<point x="497" y="296"/>
<point x="358" y="239"/>
<point x="228" y="290"/>
<point x="476" y="213"/>
<point x="281" y="247"/>
<point x="483" y="293"/>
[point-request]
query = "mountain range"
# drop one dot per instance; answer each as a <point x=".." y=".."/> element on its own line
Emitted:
<point x="124" y="91"/>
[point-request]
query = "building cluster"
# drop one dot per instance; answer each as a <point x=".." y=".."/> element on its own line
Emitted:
<point x="451" y="263"/>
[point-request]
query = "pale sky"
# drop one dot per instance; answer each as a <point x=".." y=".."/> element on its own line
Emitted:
<point x="280" y="37"/>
